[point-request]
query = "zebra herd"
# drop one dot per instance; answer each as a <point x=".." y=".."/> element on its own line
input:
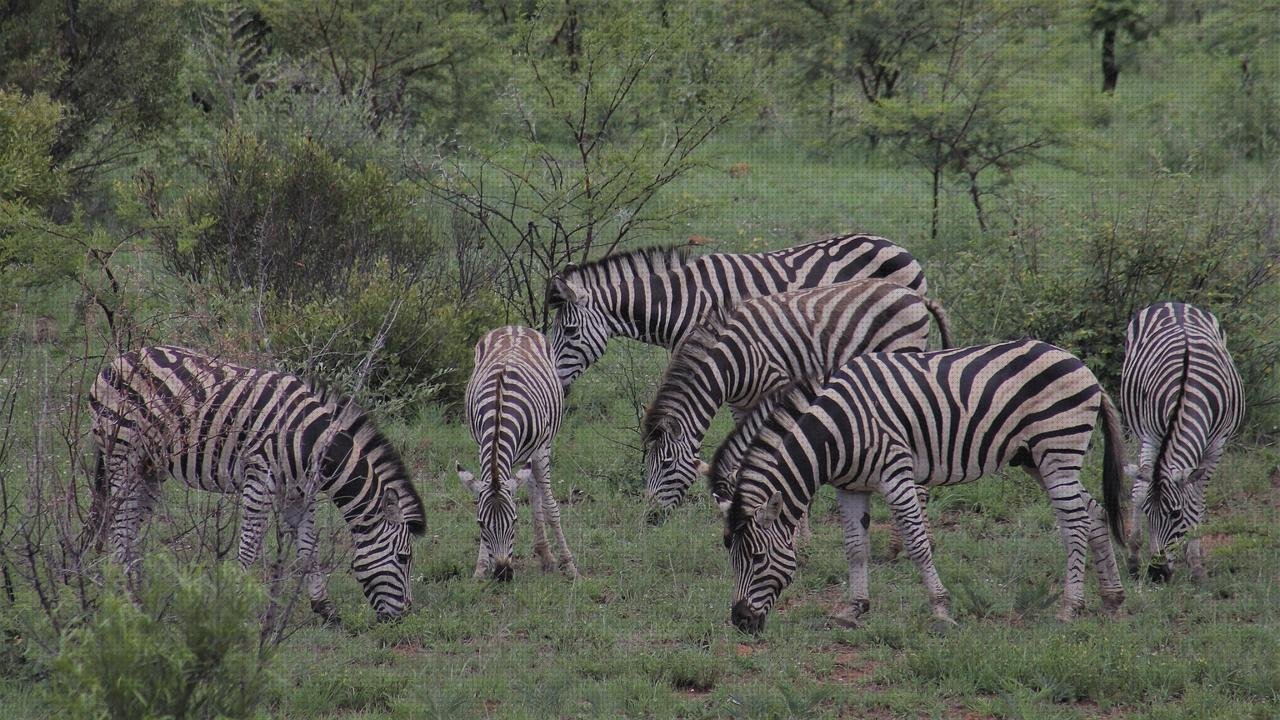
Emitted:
<point x="819" y="351"/>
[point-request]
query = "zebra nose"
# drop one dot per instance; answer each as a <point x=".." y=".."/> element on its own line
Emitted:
<point x="502" y="571"/>
<point x="1159" y="573"/>
<point x="745" y="619"/>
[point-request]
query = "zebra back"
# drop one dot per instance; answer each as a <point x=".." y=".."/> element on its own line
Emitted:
<point x="513" y="399"/>
<point x="199" y="418"/>
<point x="1179" y="389"/>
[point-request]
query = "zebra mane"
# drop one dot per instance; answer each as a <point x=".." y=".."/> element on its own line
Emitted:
<point x="632" y="263"/>
<point x="772" y="416"/>
<point x="348" y="414"/>
<point x="1158" y="482"/>
<point x="691" y="350"/>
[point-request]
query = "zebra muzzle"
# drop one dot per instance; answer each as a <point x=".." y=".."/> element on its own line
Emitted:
<point x="503" y="572"/>
<point x="745" y="619"/>
<point x="1159" y="573"/>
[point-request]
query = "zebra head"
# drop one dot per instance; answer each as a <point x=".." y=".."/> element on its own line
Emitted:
<point x="496" y="516"/>
<point x="762" y="554"/>
<point x="671" y="463"/>
<point x="381" y="563"/>
<point x="1173" y="507"/>
<point x="579" y="332"/>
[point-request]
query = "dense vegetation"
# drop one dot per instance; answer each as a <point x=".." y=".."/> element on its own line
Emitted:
<point x="357" y="191"/>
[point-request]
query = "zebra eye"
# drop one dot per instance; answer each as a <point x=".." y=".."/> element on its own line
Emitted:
<point x="402" y="557"/>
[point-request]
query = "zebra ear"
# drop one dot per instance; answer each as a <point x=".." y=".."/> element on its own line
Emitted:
<point x="722" y="505"/>
<point x="563" y="291"/>
<point x="468" y="480"/>
<point x="391" y="506"/>
<point x="671" y="428"/>
<point x="768" y="513"/>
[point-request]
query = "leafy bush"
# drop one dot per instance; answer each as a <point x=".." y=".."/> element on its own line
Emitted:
<point x="414" y="337"/>
<point x="188" y="649"/>
<point x="1076" y="283"/>
<point x="297" y="196"/>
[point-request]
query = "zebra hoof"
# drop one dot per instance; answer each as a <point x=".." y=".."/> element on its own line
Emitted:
<point x="1112" y="604"/>
<point x="942" y="625"/>
<point x="327" y="612"/>
<point x="571" y="570"/>
<point x="1199" y="575"/>
<point x="1066" y="614"/>
<point x="851" y="615"/>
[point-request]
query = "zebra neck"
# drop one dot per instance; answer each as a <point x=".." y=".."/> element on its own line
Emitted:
<point x="663" y="308"/>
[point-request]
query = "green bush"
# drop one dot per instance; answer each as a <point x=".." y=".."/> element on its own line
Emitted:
<point x="428" y="336"/>
<point x="1075" y="278"/>
<point x="189" y="648"/>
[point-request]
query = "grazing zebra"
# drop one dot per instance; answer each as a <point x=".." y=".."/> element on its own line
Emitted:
<point x="270" y="436"/>
<point x="660" y="295"/>
<point x="887" y="421"/>
<point x="513" y="407"/>
<point x="742" y="353"/>
<point x="1181" y="396"/>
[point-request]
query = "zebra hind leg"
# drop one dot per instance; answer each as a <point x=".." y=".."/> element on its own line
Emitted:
<point x="1075" y="524"/>
<point x="895" y="537"/>
<point x="300" y="515"/>
<point x="551" y="510"/>
<point x="899" y="490"/>
<point x="856" y="520"/>
<point x="541" y="547"/>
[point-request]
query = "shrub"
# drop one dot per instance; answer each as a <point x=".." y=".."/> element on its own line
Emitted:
<point x="188" y="649"/>
<point x="1076" y="283"/>
<point x="414" y="337"/>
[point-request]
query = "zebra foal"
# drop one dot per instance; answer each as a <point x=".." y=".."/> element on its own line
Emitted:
<point x="1182" y="397"/>
<point x="273" y="438"/>
<point x="885" y="422"/>
<point x="660" y="295"/>
<point x="513" y="408"/>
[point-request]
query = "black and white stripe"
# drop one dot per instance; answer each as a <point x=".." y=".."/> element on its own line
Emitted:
<point x="513" y="407"/>
<point x="887" y="421"/>
<point x="270" y="436"/>
<point x="1181" y="396"/>
<point x="744" y="352"/>
<point x="660" y="295"/>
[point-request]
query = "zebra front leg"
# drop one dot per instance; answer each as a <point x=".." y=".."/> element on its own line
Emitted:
<point x="899" y="490"/>
<point x="541" y="547"/>
<point x="256" y="496"/>
<point x="128" y="504"/>
<point x="315" y="580"/>
<point x="551" y="510"/>
<point x="856" y="520"/>
<point x="1200" y="480"/>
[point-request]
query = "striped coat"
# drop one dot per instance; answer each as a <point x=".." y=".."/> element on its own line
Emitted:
<point x="743" y="353"/>
<point x="887" y="421"/>
<point x="273" y="438"/>
<point x="660" y="295"/>
<point x="1182" y="398"/>
<point x="514" y="405"/>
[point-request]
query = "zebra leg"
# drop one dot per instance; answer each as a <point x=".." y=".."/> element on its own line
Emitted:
<point x="1075" y="523"/>
<point x="895" y="537"/>
<point x="855" y="516"/>
<point x="129" y="502"/>
<point x="1208" y="466"/>
<point x="314" y="579"/>
<point x="256" y="495"/>
<point x="899" y="489"/>
<point x="1141" y="474"/>
<point x="1104" y="558"/>
<point x="541" y="547"/>
<point x="551" y="510"/>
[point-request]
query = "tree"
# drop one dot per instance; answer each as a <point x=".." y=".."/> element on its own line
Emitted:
<point x="1109" y="17"/>
<point x="599" y="134"/>
<point x="111" y="64"/>
<point x="968" y="114"/>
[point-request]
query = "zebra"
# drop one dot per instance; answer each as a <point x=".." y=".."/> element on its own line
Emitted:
<point x="660" y="295"/>
<point x="167" y="411"/>
<point x="744" y="352"/>
<point x="1181" y="396"/>
<point x="887" y="421"/>
<point x="513" y="408"/>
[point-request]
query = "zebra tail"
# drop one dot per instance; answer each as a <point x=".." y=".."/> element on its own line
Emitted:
<point x="1113" y="468"/>
<point x="97" y="503"/>
<point x="941" y="317"/>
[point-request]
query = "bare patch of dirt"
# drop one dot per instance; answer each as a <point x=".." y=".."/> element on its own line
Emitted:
<point x="408" y="648"/>
<point x="851" y="667"/>
<point x="1213" y="541"/>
